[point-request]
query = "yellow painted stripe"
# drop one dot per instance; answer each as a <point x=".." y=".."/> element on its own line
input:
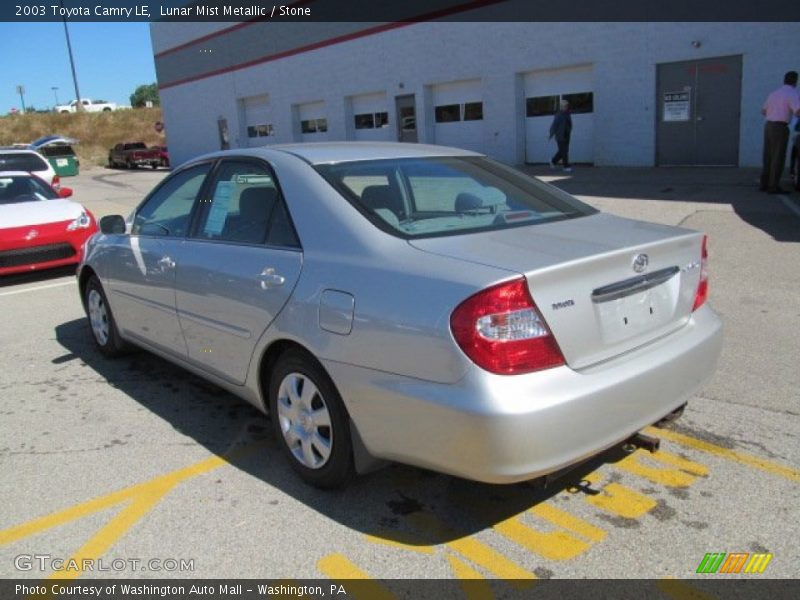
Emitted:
<point x="339" y="568"/>
<point x="72" y="513"/>
<point x="619" y="499"/>
<point x="474" y="550"/>
<point x="555" y="545"/>
<point x="668" y="476"/>
<point x="475" y="587"/>
<point x="568" y="521"/>
<point x="400" y="539"/>
<point x="679" y="590"/>
<point x="734" y="455"/>
<point x="684" y="464"/>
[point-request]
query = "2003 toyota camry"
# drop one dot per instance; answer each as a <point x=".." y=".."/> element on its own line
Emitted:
<point x="413" y="303"/>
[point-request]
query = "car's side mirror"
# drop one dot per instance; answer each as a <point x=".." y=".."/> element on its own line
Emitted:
<point x="112" y="224"/>
<point x="65" y="192"/>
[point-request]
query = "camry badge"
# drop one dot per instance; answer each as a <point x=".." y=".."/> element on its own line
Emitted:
<point x="640" y="262"/>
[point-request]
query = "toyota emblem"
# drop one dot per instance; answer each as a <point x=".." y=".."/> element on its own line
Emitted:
<point x="640" y="262"/>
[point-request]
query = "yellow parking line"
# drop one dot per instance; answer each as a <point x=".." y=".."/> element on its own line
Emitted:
<point x="619" y="499"/>
<point x="734" y="455"/>
<point x="675" y="475"/>
<point x="568" y="521"/>
<point x="474" y="550"/>
<point x="475" y="586"/>
<point x="400" y="539"/>
<point x="339" y="568"/>
<point x="142" y="497"/>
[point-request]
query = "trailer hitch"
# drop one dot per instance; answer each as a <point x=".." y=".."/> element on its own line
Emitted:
<point x="640" y="440"/>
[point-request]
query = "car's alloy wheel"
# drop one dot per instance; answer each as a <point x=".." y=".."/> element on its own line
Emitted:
<point x="310" y="420"/>
<point x="101" y="320"/>
<point x="305" y="421"/>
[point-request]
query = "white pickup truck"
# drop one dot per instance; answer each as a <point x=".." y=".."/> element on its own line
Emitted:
<point x="89" y="105"/>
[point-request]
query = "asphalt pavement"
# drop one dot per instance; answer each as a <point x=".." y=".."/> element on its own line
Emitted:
<point x="139" y="462"/>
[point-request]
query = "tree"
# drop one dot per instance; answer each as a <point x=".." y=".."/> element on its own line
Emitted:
<point x="143" y="94"/>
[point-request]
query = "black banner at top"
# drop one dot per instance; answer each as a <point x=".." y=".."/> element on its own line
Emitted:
<point x="399" y="10"/>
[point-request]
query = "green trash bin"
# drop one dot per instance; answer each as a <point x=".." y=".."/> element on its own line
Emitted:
<point x="62" y="158"/>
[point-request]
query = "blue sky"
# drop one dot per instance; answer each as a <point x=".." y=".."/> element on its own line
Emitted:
<point x="111" y="59"/>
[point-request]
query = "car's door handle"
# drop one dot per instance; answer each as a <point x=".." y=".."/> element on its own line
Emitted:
<point x="165" y="262"/>
<point x="270" y="279"/>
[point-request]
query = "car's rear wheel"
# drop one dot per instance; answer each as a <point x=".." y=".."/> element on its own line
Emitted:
<point x="310" y="421"/>
<point x="104" y="328"/>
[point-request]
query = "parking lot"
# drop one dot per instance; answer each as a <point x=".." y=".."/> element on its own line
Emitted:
<point x="149" y="471"/>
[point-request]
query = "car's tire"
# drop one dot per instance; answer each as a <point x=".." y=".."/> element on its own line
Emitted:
<point x="129" y="164"/>
<point x="111" y="163"/>
<point x="106" y="109"/>
<point x="101" y="321"/>
<point x="154" y="166"/>
<point x="310" y="421"/>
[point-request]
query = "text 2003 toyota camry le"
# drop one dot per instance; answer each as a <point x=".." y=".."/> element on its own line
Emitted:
<point x="413" y="303"/>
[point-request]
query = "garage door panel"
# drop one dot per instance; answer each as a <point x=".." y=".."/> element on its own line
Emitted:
<point x="554" y="84"/>
<point x="257" y="120"/>
<point x="371" y="118"/>
<point x="461" y="124"/>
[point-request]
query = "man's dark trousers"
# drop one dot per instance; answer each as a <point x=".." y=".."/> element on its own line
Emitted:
<point x="562" y="154"/>
<point x="776" y="136"/>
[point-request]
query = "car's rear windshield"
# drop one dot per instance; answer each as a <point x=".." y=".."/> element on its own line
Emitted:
<point x="428" y="197"/>
<point x="24" y="188"/>
<point x="21" y="161"/>
<point x="136" y="146"/>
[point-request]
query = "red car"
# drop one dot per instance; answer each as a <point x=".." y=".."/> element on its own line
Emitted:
<point x="163" y="153"/>
<point x="39" y="229"/>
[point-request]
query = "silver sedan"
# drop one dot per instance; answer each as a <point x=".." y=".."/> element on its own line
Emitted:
<point x="408" y="303"/>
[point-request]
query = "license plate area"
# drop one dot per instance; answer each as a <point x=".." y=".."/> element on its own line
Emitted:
<point x="637" y="314"/>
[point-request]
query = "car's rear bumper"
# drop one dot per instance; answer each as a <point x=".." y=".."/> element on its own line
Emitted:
<point x="504" y="429"/>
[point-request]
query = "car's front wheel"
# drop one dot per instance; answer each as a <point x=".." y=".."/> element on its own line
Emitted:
<point x="310" y="421"/>
<point x="104" y="328"/>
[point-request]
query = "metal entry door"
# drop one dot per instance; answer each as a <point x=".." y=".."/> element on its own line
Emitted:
<point x="698" y="112"/>
<point x="406" y="118"/>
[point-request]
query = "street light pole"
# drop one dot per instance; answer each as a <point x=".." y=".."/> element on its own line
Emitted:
<point x="78" y="105"/>
<point x="21" y="92"/>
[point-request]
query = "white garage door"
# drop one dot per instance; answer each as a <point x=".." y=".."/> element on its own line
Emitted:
<point x="543" y="92"/>
<point x="371" y="118"/>
<point x="313" y="122"/>
<point x="458" y="114"/>
<point x="257" y="127"/>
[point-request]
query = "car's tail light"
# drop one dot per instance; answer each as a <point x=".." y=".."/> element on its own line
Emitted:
<point x="56" y="182"/>
<point x="500" y="329"/>
<point x="702" y="288"/>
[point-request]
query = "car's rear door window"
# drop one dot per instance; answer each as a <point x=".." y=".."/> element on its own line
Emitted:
<point x="433" y="196"/>
<point x="22" y="161"/>
<point x="168" y="210"/>
<point x="244" y="205"/>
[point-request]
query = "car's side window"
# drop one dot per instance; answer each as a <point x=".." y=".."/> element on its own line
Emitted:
<point x="244" y="205"/>
<point x="167" y="212"/>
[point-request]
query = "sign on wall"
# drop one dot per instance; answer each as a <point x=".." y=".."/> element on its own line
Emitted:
<point x="676" y="106"/>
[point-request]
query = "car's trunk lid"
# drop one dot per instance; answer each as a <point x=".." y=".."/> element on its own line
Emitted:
<point x="581" y="276"/>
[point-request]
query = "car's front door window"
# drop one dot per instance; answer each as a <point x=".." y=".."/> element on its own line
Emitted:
<point x="168" y="210"/>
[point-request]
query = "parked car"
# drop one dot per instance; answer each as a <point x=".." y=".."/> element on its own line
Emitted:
<point x="405" y="302"/>
<point x="88" y="105"/>
<point x="163" y="153"/>
<point x="39" y="229"/>
<point x="133" y="154"/>
<point x="23" y="159"/>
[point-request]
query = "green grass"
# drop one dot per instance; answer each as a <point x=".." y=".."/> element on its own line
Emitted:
<point x="96" y="132"/>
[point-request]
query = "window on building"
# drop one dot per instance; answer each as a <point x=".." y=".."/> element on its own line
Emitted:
<point x="582" y="102"/>
<point x="381" y="119"/>
<point x="365" y="121"/>
<point x="314" y="125"/>
<point x="448" y="113"/>
<point x="540" y="106"/>
<point x="473" y="111"/>
<point x="263" y="130"/>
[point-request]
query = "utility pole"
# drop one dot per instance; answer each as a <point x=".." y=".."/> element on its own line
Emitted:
<point x="21" y="92"/>
<point x="55" y="93"/>
<point x="79" y="105"/>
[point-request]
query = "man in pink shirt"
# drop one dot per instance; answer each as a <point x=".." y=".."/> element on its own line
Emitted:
<point x="779" y="108"/>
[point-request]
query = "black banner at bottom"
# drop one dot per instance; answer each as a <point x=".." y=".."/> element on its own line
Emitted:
<point x="389" y="589"/>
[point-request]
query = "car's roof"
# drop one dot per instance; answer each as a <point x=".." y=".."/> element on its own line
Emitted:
<point x="335" y="152"/>
<point x="9" y="150"/>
